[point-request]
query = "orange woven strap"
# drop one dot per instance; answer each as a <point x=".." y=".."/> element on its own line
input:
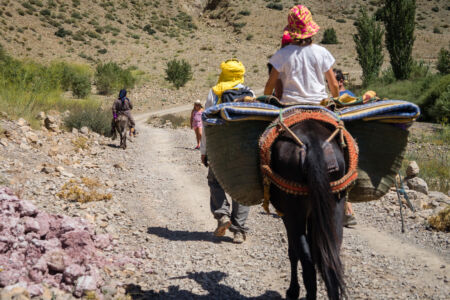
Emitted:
<point x="291" y="187"/>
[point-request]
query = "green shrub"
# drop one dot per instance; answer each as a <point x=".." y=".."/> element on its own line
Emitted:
<point x="245" y="12"/>
<point x="443" y="63"/>
<point x="110" y="77"/>
<point x="329" y="36"/>
<point x="399" y="22"/>
<point x="238" y="26"/>
<point x="435" y="101"/>
<point x="178" y="72"/>
<point x="148" y="28"/>
<point x="95" y="118"/>
<point x="81" y="85"/>
<point x="45" y="12"/>
<point x="368" y="43"/>
<point x="275" y="6"/>
<point x="26" y="87"/>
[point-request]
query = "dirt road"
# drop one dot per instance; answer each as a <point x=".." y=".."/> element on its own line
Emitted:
<point x="171" y="200"/>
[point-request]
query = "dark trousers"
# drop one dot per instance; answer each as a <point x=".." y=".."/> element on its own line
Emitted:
<point x="220" y="205"/>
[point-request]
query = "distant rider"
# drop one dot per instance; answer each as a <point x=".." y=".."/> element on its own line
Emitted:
<point x="122" y="106"/>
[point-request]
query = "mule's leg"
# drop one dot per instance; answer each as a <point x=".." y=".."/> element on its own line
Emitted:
<point x="293" y="244"/>
<point x="309" y="271"/>
<point x="124" y="134"/>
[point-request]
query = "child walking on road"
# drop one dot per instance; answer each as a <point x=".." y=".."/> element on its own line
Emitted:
<point x="196" y="121"/>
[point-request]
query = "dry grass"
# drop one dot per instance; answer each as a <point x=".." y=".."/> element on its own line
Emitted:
<point x="84" y="190"/>
<point x="441" y="221"/>
<point x="81" y="142"/>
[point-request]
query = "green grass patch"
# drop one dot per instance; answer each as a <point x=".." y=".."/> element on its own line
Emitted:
<point x="430" y="91"/>
<point x="27" y="88"/>
<point x="431" y="154"/>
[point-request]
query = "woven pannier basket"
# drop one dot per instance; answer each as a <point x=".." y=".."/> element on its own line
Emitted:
<point x="381" y="151"/>
<point x="233" y="155"/>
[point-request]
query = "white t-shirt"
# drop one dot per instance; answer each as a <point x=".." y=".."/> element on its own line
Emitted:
<point x="302" y="72"/>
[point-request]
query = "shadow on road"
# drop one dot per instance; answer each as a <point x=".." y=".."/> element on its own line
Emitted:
<point x="183" y="235"/>
<point x="209" y="281"/>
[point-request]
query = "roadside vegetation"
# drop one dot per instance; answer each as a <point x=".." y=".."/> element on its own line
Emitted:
<point x="430" y="151"/>
<point x="27" y="88"/>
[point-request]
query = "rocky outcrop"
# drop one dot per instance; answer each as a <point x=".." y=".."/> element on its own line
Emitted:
<point x="38" y="248"/>
<point x="413" y="181"/>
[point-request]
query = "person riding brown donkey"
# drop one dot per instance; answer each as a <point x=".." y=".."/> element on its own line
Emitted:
<point x="122" y="106"/>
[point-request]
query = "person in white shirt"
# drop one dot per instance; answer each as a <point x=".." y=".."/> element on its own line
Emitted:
<point x="228" y="216"/>
<point x="302" y="66"/>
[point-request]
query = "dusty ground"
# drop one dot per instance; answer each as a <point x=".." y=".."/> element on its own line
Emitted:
<point x="159" y="218"/>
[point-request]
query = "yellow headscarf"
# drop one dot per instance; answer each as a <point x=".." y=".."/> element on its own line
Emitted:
<point x="232" y="74"/>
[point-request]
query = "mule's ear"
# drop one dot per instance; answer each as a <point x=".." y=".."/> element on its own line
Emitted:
<point x="330" y="157"/>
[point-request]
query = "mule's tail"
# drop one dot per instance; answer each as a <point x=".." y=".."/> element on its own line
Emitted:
<point x="325" y="244"/>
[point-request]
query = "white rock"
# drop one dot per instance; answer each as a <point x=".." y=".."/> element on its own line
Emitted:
<point x="32" y="137"/>
<point x="85" y="284"/>
<point x="41" y="116"/>
<point x="417" y="184"/>
<point x="84" y="130"/>
<point x="22" y="122"/>
<point x="412" y="170"/>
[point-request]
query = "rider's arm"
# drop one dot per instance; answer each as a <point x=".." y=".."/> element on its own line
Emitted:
<point x="131" y="105"/>
<point x="271" y="82"/>
<point x="333" y="85"/>
<point x="114" y="109"/>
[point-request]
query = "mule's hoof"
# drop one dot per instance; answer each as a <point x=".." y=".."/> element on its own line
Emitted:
<point x="292" y="293"/>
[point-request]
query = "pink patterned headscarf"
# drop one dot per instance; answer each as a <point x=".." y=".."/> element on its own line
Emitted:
<point x="300" y="24"/>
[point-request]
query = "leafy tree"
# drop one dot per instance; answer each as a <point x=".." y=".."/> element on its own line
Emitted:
<point x="368" y="41"/>
<point x="399" y="21"/>
<point x="178" y="72"/>
<point x="110" y="77"/>
<point x="443" y="63"/>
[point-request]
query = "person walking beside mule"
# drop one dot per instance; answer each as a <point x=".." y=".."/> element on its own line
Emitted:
<point x="122" y="106"/>
<point x="228" y="216"/>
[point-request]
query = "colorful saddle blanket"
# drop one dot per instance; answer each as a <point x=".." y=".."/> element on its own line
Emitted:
<point x="386" y="111"/>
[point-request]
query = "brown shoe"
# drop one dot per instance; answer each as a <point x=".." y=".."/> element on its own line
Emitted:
<point x="239" y="237"/>
<point x="222" y="225"/>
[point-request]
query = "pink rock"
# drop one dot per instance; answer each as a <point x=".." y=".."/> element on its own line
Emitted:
<point x="102" y="241"/>
<point x="33" y="254"/>
<point x="53" y="280"/>
<point x="31" y="225"/>
<point x="44" y="223"/>
<point x="18" y="230"/>
<point x="26" y="208"/>
<point x="9" y="277"/>
<point x="55" y="261"/>
<point x="84" y="284"/>
<point x="72" y="272"/>
<point x="36" y="275"/>
<point x="80" y="240"/>
<point x="55" y="227"/>
<point x="51" y="244"/>
<point x="35" y="290"/>
<point x="5" y="246"/>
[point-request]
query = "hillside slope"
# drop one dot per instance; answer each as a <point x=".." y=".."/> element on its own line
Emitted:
<point x="149" y="33"/>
